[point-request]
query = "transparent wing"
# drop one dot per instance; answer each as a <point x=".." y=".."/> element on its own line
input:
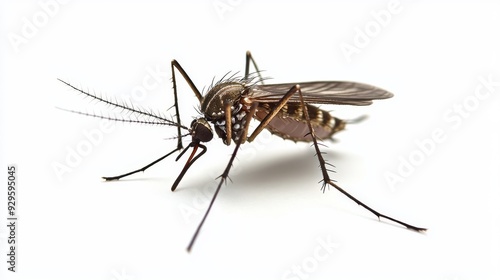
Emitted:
<point x="323" y="92"/>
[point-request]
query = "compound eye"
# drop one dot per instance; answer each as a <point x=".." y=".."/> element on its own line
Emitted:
<point x="201" y="130"/>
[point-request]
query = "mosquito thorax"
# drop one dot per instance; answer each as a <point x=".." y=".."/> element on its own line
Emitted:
<point x="201" y="130"/>
<point x="214" y="104"/>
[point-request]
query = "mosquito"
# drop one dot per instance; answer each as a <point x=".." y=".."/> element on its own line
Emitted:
<point x="288" y="110"/>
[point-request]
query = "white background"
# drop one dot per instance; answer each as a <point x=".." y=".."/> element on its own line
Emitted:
<point x="272" y="218"/>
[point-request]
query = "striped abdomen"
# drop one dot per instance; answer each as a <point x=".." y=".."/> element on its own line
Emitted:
<point x="290" y="122"/>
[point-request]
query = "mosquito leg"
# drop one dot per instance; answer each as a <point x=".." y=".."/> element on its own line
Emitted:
<point x="273" y="113"/>
<point x="229" y="129"/>
<point x="223" y="179"/>
<point x="186" y="77"/>
<point x="175" y="64"/>
<point x="326" y="178"/>
<point x="140" y="169"/>
<point x="179" y="68"/>
<point x="247" y="67"/>
<point x="249" y="117"/>
<point x="225" y="174"/>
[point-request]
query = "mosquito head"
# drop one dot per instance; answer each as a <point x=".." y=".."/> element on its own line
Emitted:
<point x="201" y="130"/>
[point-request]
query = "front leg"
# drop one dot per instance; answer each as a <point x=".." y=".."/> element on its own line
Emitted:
<point x="249" y="59"/>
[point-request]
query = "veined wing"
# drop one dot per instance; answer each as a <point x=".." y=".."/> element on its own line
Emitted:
<point x="322" y="92"/>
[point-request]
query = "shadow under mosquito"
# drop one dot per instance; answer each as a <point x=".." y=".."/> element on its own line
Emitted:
<point x="264" y="171"/>
<point x="292" y="167"/>
<point x="283" y="171"/>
